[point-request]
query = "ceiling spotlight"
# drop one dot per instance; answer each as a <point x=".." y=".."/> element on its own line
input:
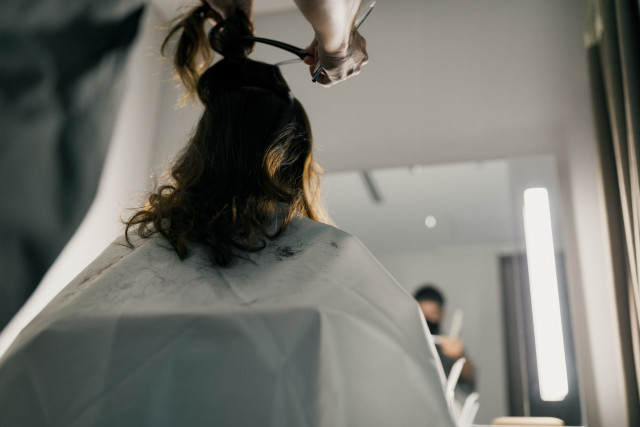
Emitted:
<point x="430" y="221"/>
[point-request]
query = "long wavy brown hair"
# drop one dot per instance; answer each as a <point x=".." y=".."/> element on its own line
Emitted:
<point x="249" y="162"/>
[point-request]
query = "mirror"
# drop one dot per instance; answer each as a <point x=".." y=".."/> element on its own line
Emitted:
<point x="451" y="225"/>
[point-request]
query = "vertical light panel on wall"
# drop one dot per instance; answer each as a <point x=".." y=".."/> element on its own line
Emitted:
<point x="545" y="301"/>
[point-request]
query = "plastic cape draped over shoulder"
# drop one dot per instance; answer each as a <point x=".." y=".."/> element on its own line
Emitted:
<point x="311" y="332"/>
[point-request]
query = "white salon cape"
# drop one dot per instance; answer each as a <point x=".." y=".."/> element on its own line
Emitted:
<point x="311" y="331"/>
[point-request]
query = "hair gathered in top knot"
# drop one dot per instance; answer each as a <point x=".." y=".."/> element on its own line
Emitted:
<point x="193" y="53"/>
<point x="229" y="37"/>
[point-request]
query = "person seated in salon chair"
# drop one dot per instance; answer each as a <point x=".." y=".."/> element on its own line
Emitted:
<point x="230" y="300"/>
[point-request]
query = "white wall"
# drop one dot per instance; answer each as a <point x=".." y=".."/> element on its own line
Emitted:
<point x="469" y="278"/>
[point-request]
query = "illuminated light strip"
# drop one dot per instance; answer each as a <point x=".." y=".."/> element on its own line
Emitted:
<point x="545" y="301"/>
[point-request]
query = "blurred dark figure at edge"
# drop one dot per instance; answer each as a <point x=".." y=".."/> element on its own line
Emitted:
<point x="62" y="80"/>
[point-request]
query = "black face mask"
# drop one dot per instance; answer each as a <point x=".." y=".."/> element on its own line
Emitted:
<point x="434" y="327"/>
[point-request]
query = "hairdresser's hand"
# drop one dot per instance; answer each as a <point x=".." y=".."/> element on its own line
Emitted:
<point x="340" y="62"/>
<point x="452" y="347"/>
<point x="224" y="8"/>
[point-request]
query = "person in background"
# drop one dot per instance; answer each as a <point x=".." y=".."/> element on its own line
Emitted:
<point x="450" y="349"/>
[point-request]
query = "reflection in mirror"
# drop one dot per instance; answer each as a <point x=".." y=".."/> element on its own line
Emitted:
<point x="461" y="228"/>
